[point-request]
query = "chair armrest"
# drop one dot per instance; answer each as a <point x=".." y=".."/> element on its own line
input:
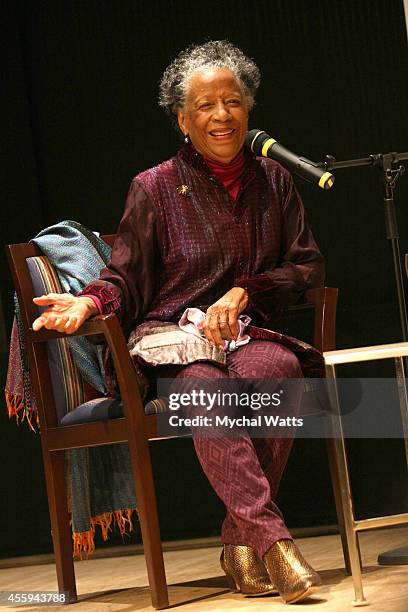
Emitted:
<point x="95" y="325"/>
<point x="324" y="300"/>
<point x="328" y="294"/>
<point x="109" y="327"/>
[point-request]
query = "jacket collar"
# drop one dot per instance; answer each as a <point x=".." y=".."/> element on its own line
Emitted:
<point x="193" y="158"/>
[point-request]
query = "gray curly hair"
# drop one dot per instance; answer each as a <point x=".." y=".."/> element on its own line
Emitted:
<point x="212" y="54"/>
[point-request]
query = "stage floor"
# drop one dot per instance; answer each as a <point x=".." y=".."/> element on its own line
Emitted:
<point x="197" y="583"/>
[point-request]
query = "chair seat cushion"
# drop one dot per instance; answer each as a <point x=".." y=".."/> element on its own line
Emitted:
<point x="103" y="408"/>
<point x="99" y="409"/>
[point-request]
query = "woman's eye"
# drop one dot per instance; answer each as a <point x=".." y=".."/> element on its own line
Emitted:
<point x="204" y="106"/>
<point x="233" y="102"/>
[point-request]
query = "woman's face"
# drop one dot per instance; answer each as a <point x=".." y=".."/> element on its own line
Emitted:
<point x="215" y="114"/>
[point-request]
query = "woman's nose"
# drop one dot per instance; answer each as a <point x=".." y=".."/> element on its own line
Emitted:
<point x="221" y="112"/>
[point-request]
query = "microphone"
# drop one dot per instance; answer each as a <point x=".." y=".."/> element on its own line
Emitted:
<point x="262" y="144"/>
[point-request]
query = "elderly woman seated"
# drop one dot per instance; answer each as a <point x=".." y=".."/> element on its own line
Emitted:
<point x="217" y="229"/>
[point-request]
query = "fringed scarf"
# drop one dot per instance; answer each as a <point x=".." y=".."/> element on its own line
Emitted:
<point x="100" y="483"/>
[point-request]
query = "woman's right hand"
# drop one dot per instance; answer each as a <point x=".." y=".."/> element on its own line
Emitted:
<point x="66" y="312"/>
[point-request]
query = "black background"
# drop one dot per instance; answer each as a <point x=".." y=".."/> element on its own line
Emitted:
<point x="81" y="120"/>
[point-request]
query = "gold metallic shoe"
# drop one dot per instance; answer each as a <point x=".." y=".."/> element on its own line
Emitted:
<point x="245" y="571"/>
<point x="294" y="578"/>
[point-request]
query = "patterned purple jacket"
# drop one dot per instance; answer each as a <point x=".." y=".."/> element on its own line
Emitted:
<point x="183" y="241"/>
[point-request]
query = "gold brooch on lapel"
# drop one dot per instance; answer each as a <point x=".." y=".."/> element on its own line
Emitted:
<point x="183" y="190"/>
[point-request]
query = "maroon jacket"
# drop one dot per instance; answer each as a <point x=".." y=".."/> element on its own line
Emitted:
<point x="183" y="241"/>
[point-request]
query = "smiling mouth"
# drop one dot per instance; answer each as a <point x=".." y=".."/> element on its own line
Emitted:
<point x="221" y="133"/>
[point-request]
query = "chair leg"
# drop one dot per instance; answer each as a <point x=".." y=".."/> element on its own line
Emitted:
<point x="149" y="520"/>
<point x="54" y="464"/>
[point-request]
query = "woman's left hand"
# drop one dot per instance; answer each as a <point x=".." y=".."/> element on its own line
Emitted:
<point x="221" y="319"/>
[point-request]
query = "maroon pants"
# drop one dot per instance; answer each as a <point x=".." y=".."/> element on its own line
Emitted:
<point x="245" y="472"/>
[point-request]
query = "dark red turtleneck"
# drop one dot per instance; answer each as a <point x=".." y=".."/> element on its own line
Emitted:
<point x="229" y="175"/>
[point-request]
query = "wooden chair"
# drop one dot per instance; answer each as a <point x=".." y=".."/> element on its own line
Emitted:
<point x="135" y="427"/>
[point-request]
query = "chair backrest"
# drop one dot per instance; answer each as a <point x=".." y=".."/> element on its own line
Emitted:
<point x="53" y="371"/>
<point x="67" y="382"/>
<point x="54" y="374"/>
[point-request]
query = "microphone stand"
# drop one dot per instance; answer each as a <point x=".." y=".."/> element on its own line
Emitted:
<point x="386" y="162"/>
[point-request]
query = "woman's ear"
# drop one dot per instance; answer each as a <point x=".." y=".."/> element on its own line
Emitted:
<point x="181" y="118"/>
